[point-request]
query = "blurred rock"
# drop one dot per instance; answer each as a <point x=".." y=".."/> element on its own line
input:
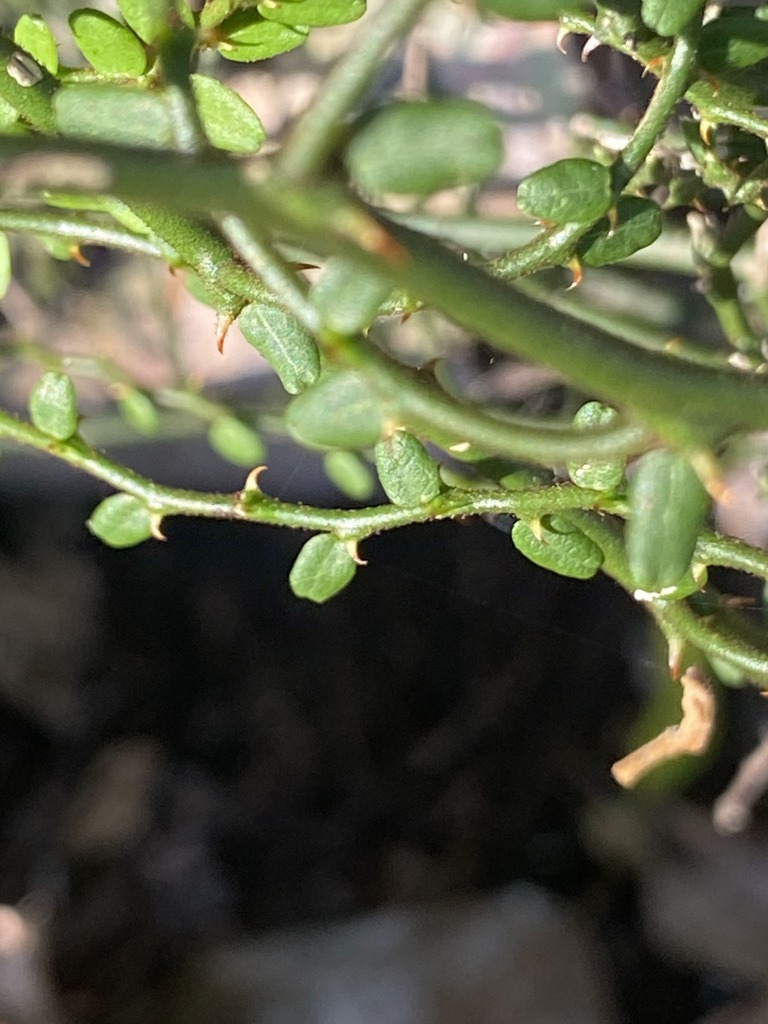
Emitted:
<point x="25" y="995"/>
<point x="515" y="955"/>
<point x="705" y="897"/>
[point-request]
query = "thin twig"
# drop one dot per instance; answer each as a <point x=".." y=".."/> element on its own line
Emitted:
<point x="690" y="736"/>
<point x="315" y="134"/>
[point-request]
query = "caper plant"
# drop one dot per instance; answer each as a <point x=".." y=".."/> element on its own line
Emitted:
<point x="139" y="151"/>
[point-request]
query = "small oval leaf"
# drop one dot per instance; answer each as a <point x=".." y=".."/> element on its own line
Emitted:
<point x="598" y="475"/>
<point x="108" y="46"/>
<point x="227" y="120"/>
<point x="733" y="42"/>
<point x="417" y="148"/>
<point x="138" y="409"/>
<point x="667" y="17"/>
<point x="667" y="504"/>
<point x="149" y="19"/>
<point x="114" y="113"/>
<point x="340" y="411"/>
<point x="348" y="297"/>
<point x="121" y="521"/>
<point x="572" y="190"/>
<point x="559" y="547"/>
<point x="287" y="347"/>
<point x="236" y="442"/>
<point x="33" y="35"/>
<point x="323" y="567"/>
<point x="246" y="36"/>
<point x="638" y="224"/>
<point x="313" y="13"/>
<point x="408" y="473"/>
<point x="53" y="406"/>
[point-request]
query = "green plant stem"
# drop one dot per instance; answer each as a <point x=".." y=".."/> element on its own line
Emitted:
<point x="711" y="100"/>
<point x="272" y="269"/>
<point x="658" y="389"/>
<point x="253" y="506"/>
<point x="712" y="549"/>
<point x="721" y="290"/>
<point x="686" y="404"/>
<point x="676" y="619"/>
<point x="80" y="231"/>
<point x="670" y="252"/>
<point x="712" y="637"/>
<point x="231" y="284"/>
<point x="556" y="246"/>
<point x="679" y="69"/>
<point x="190" y="242"/>
<point x="316" y="133"/>
<point x="422" y="406"/>
<point x="552" y="248"/>
<point x="715" y="248"/>
<point x="645" y="335"/>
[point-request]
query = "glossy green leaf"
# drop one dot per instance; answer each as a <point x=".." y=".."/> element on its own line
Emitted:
<point x="33" y="35"/>
<point x="313" y="12"/>
<point x="599" y="475"/>
<point x="733" y="42"/>
<point x="572" y="190"/>
<point x="109" y="46"/>
<point x="348" y="296"/>
<point x="246" y="37"/>
<point x="116" y="114"/>
<point x="559" y="547"/>
<point x="287" y="347"/>
<point x="408" y="473"/>
<point x="638" y="225"/>
<point x="323" y="567"/>
<point x="350" y="474"/>
<point x="668" y="17"/>
<point x="236" y="442"/>
<point x="340" y="411"/>
<point x="149" y="19"/>
<point x="138" y="409"/>
<point x="53" y="406"/>
<point x="530" y="10"/>
<point x="667" y="504"/>
<point x="417" y="148"/>
<point x="227" y="120"/>
<point x="121" y="521"/>
<point x="5" y="264"/>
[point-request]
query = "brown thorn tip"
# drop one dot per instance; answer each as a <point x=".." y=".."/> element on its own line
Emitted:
<point x="78" y="257"/>
<point x="252" y="480"/>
